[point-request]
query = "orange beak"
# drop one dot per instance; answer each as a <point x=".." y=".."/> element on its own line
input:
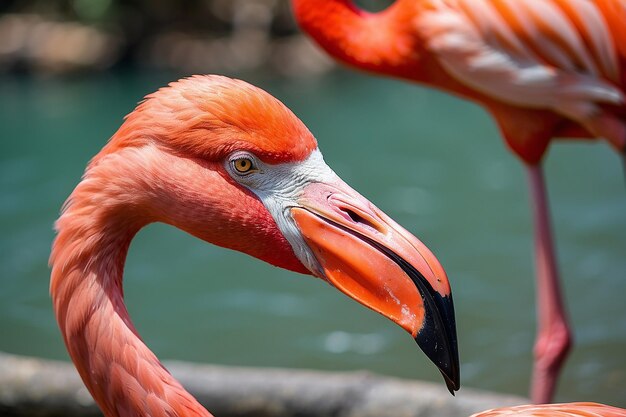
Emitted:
<point x="372" y="259"/>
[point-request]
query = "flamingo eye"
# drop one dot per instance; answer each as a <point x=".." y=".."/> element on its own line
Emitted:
<point x="243" y="165"/>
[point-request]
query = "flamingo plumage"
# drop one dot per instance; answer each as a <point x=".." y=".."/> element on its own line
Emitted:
<point x="543" y="69"/>
<point x="229" y="164"/>
<point x="578" y="409"/>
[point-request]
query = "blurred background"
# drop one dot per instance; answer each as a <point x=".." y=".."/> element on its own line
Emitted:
<point x="69" y="72"/>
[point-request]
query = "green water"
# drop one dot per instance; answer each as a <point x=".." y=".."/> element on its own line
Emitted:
<point x="432" y="162"/>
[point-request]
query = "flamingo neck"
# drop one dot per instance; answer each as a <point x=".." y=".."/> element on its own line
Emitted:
<point x="382" y="42"/>
<point x="122" y="374"/>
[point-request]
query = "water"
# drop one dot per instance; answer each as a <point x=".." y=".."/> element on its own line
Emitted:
<point x="432" y="162"/>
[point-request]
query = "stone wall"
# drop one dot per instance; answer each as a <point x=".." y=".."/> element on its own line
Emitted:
<point x="43" y="388"/>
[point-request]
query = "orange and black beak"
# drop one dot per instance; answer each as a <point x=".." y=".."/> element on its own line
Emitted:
<point x="372" y="259"/>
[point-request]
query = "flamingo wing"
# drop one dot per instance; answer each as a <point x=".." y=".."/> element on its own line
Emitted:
<point x="615" y="13"/>
<point x="557" y="55"/>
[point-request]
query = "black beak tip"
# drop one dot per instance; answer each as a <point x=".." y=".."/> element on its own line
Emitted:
<point x="446" y="361"/>
<point x="437" y="338"/>
<point x="452" y="385"/>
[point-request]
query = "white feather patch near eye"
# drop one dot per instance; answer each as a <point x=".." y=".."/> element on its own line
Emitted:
<point x="279" y="186"/>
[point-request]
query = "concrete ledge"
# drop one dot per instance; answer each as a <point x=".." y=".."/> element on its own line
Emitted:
<point x="43" y="388"/>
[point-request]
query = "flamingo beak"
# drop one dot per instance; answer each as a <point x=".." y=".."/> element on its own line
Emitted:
<point x="372" y="259"/>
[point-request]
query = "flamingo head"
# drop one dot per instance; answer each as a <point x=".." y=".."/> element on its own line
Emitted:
<point x="230" y="164"/>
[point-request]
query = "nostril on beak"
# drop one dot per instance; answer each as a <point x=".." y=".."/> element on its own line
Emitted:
<point x="356" y="218"/>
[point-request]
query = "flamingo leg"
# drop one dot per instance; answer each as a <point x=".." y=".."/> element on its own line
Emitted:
<point x="554" y="336"/>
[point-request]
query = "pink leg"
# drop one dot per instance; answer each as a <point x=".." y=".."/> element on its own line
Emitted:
<point x="554" y="337"/>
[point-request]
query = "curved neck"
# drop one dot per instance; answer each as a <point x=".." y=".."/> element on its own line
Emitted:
<point x="380" y="42"/>
<point x="122" y="374"/>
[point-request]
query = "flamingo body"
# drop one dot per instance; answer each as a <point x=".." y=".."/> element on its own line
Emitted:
<point x="230" y="164"/>
<point x="543" y="69"/>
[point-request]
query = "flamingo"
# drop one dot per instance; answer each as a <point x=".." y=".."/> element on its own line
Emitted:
<point x="230" y="164"/>
<point x="542" y="68"/>
<point x="579" y="409"/>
